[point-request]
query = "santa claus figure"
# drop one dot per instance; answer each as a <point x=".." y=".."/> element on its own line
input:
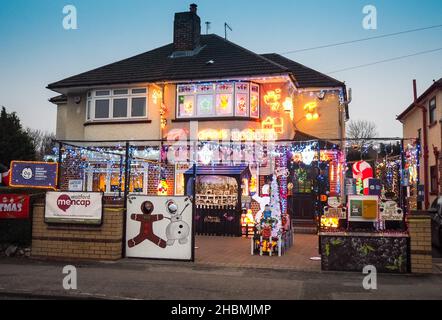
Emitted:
<point x="4" y="175"/>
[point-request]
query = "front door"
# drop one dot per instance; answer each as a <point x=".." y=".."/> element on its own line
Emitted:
<point x="303" y="196"/>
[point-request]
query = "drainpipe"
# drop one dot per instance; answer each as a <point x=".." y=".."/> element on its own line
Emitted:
<point x="342" y="136"/>
<point x="425" y="146"/>
<point x="436" y="157"/>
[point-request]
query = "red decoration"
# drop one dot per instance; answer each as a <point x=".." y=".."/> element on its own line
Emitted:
<point x="14" y="206"/>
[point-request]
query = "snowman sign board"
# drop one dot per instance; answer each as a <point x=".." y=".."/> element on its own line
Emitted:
<point x="159" y="227"/>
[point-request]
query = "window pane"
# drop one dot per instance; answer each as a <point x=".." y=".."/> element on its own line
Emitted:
<point x="99" y="182"/>
<point x="224" y="104"/>
<point x="120" y="108"/>
<point x="254" y="101"/>
<point x="121" y="91"/>
<point x="138" y="107"/>
<point x="205" y="105"/>
<point x="186" y="105"/>
<point x="102" y="93"/>
<point x="101" y="109"/>
<point x="241" y="104"/>
<point x="88" y="111"/>
<point x="139" y="90"/>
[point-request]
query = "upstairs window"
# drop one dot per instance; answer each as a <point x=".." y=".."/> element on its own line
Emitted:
<point x="218" y="99"/>
<point x="116" y="104"/>
<point x="432" y="110"/>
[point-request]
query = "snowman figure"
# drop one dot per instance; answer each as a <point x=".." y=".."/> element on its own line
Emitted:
<point x="177" y="229"/>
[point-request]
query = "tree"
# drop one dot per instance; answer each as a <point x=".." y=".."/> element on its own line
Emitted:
<point x="359" y="133"/>
<point x="43" y="142"/>
<point x="361" y="129"/>
<point x="15" y="143"/>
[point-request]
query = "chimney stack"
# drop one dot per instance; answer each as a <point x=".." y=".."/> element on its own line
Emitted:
<point x="187" y="30"/>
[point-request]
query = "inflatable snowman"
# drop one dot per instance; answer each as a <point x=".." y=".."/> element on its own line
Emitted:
<point x="177" y="229"/>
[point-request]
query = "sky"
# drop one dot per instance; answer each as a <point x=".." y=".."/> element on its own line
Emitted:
<point x="36" y="50"/>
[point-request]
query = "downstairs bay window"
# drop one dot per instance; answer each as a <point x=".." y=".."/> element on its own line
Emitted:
<point x="116" y="104"/>
<point x="109" y="178"/>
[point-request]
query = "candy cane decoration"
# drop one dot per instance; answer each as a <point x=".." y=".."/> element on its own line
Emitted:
<point x="362" y="170"/>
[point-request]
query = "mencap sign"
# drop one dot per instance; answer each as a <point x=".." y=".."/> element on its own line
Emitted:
<point x="14" y="206"/>
<point x="74" y="207"/>
<point x="33" y="174"/>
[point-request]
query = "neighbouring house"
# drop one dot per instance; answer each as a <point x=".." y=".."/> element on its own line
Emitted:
<point x="202" y="87"/>
<point x="426" y="110"/>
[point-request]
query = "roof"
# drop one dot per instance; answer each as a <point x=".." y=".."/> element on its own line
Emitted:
<point x="305" y="77"/>
<point x="59" y="99"/>
<point x="220" y="170"/>
<point x="230" y="60"/>
<point x="436" y="84"/>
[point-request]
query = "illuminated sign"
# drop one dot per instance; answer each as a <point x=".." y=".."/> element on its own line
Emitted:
<point x="273" y="99"/>
<point x="276" y="124"/>
<point x="311" y="112"/>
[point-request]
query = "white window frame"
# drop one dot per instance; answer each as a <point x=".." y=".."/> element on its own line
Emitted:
<point x="92" y="98"/>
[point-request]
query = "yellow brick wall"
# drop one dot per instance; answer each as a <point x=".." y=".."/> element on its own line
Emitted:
<point x="419" y="227"/>
<point x="78" y="242"/>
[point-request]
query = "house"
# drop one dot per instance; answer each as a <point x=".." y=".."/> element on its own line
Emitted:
<point x="201" y="87"/>
<point x="422" y="120"/>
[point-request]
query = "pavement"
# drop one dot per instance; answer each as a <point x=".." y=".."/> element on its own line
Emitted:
<point x="223" y="270"/>
<point x="147" y="279"/>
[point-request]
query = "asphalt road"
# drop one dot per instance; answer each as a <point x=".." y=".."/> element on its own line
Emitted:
<point x="139" y="279"/>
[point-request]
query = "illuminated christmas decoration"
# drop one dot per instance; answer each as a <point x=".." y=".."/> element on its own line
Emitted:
<point x="205" y="155"/>
<point x="273" y="99"/>
<point x="329" y="222"/>
<point x="310" y="109"/>
<point x="163" y="119"/>
<point x="276" y="124"/>
<point x="156" y="96"/>
<point x="213" y="134"/>
<point x="163" y="187"/>
<point x="308" y="155"/>
<point x="362" y="171"/>
<point x="247" y="224"/>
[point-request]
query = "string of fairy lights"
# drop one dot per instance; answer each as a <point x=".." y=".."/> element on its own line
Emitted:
<point x="394" y="171"/>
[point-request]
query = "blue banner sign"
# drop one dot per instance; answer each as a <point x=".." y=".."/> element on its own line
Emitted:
<point x="34" y="174"/>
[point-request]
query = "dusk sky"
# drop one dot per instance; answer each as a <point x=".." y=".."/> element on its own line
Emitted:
<point x="35" y="50"/>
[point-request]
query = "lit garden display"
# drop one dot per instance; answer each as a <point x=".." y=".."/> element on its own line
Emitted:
<point x="356" y="192"/>
<point x="370" y="228"/>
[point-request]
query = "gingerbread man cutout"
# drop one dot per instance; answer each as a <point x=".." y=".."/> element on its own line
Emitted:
<point x="146" y="227"/>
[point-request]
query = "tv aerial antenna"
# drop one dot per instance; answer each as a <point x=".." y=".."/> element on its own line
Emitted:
<point x="208" y="23"/>
<point x="226" y="26"/>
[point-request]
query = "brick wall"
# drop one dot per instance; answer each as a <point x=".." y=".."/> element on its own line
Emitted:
<point x="70" y="170"/>
<point x="78" y="242"/>
<point x="154" y="175"/>
<point x="419" y="228"/>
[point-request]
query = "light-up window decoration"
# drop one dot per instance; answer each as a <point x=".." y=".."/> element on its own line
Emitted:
<point x="186" y="105"/>
<point x="205" y="105"/>
<point x="272" y="98"/>
<point x="254" y="101"/>
<point x="218" y="99"/>
<point x="241" y="99"/>
<point x="186" y="100"/>
<point x="224" y="99"/>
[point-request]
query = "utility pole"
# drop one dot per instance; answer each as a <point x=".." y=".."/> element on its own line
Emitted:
<point x="225" y="29"/>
